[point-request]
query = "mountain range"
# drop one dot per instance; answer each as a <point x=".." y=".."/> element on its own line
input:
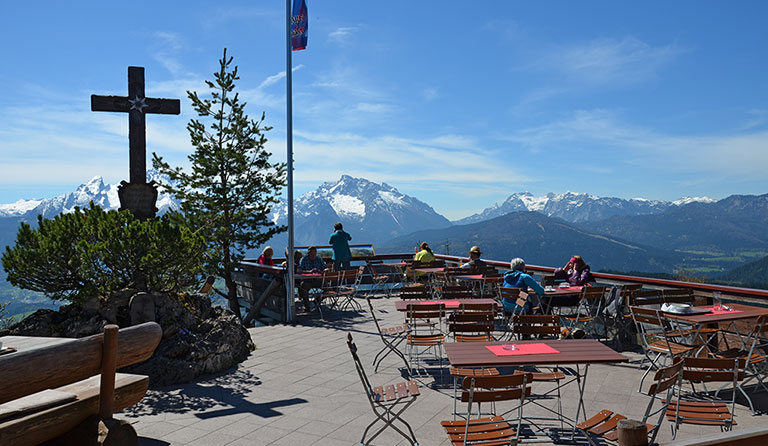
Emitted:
<point x="577" y="207"/>
<point x="697" y="233"/>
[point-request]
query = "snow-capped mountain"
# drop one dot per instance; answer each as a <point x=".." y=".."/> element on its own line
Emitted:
<point x="577" y="207"/>
<point x="370" y="212"/>
<point x="102" y="194"/>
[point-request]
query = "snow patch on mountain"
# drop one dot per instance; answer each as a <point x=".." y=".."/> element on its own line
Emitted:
<point x="347" y="205"/>
<point x="689" y="200"/>
<point x="18" y="208"/>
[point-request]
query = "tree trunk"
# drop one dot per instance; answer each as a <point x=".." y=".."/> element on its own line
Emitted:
<point x="234" y="305"/>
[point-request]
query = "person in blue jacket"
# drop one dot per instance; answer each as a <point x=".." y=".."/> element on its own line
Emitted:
<point x="340" y="242"/>
<point x="518" y="278"/>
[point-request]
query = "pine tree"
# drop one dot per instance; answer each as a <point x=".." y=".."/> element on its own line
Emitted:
<point x="232" y="183"/>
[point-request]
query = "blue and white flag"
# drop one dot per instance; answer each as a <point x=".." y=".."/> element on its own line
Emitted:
<point x="299" y="25"/>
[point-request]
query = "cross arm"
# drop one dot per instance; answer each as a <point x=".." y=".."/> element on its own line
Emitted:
<point x="123" y="104"/>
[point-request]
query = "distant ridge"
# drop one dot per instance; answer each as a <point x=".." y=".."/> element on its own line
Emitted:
<point x="540" y="240"/>
<point x="102" y="194"/>
<point x="577" y="207"/>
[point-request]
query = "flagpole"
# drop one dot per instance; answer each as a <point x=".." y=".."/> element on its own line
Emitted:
<point x="289" y="286"/>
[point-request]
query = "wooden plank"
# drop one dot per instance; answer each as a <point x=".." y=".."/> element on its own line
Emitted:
<point x="402" y="392"/>
<point x="37" y="427"/>
<point x="389" y="392"/>
<point x="752" y="436"/>
<point x="51" y="366"/>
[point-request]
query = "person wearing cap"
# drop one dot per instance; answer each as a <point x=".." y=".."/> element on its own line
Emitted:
<point x="474" y="259"/>
<point x="576" y="272"/>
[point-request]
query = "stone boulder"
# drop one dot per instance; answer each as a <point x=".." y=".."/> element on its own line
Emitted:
<point x="198" y="338"/>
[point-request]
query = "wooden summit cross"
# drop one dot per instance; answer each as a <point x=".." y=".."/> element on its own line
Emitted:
<point x="136" y="195"/>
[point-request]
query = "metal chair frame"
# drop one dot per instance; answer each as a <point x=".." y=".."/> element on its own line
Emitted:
<point x="387" y="402"/>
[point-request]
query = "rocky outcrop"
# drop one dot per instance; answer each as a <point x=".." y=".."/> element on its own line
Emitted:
<point x="198" y="338"/>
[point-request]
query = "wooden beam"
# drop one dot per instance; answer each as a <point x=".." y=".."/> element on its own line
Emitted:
<point x="256" y="307"/>
<point x="26" y="372"/>
<point x="108" y="370"/>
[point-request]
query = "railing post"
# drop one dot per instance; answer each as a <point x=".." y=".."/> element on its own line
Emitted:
<point x="632" y="433"/>
<point x="108" y="370"/>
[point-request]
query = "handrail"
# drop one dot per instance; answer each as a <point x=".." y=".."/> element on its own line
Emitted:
<point x="703" y="287"/>
<point x="732" y="290"/>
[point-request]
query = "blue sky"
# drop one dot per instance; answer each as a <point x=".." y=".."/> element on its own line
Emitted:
<point x="457" y="103"/>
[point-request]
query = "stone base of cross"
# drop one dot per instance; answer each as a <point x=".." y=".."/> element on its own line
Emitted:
<point x="138" y="198"/>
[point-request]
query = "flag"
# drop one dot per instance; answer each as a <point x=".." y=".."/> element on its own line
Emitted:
<point x="299" y="25"/>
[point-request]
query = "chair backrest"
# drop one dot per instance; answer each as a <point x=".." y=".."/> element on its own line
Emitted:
<point x="425" y="311"/>
<point x="592" y="293"/>
<point x="456" y="292"/>
<point x="432" y="264"/>
<point x="678" y="296"/>
<point x="647" y="297"/>
<point x="473" y="318"/>
<point x="373" y="315"/>
<point x="666" y="380"/>
<point x="705" y="370"/>
<point x="543" y="325"/>
<point x="628" y="291"/>
<point x="647" y="316"/>
<point x="414" y="291"/>
<point x="481" y="389"/>
<point x="359" y="367"/>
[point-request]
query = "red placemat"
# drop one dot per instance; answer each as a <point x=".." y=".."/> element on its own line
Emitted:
<point x="522" y="349"/>
<point x="713" y="311"/>
<point x="447" y="303"/>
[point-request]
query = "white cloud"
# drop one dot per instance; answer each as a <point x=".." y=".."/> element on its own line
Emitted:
<point x="277" y="77"/>
<point x="609" y="61"/>
<point x="605" y="135"/>
<point x="430" y="93"/>
<point x="759" y="118"/>
<point x="374" y="108"/>
<point x="342" y="34"/>
<point x="168" y="46"/>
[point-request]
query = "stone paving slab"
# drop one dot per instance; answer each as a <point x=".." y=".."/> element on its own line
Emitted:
<point x="300" y="387"/>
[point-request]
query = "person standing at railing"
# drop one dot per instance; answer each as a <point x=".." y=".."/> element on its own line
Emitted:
<point x="340" y="242"/>
<point x="576" y="272"/>
<point x="518" y="278"/>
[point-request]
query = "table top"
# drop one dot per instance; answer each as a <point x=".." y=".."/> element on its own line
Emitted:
<point x="742" y="311"/>
<point x="476" y="277"/>
<point x="450" y="304"/>
<point x="430" y="270"/>
<point x="308" y="276"/>
<point x="572" y="351"/>
<point x="558" y="291"/>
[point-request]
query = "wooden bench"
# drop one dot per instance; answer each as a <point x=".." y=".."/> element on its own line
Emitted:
<point x="84" y="368"/>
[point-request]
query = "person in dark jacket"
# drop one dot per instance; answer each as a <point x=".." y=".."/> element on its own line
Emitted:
<point x="339" y="240"/>
<point x="576" y="272"/>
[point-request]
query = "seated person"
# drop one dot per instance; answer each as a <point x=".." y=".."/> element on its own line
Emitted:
<point x="576" y="272"/>
<point x="297" y="255"/>
<point x="518" y="278"/>
<point x="312" y="263"/>
<point x="425" y="255"/>
<point x="266" y="257"/>
<point x="474" y="260"/>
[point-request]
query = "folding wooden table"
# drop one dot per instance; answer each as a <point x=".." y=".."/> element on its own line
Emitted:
<point x="578" y="352"/>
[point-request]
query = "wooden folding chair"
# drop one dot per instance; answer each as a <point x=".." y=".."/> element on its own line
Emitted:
<point x="540" y="326"/>
<point x="752" y="352"/>
<point x="453" y="292"/>
<point x="520" y="298"/>
<point x="588" y="315"/>
<point x="387" y="402"/>
<point x="653" y="329"/>
<point x="416" y="291"/>
<point x="425" y="337"/>
<point x="493" y="430"/>
<point x="472" y="322"/>
<point x="391" y="337"/>
<point x="700" y="408"/>
<point x="382" y="277"/>
<point x="605" y="422"/>
<point x="339" y="289"/>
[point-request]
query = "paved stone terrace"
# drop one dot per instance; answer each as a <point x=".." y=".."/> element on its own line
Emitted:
<point x="300" y="387"/>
